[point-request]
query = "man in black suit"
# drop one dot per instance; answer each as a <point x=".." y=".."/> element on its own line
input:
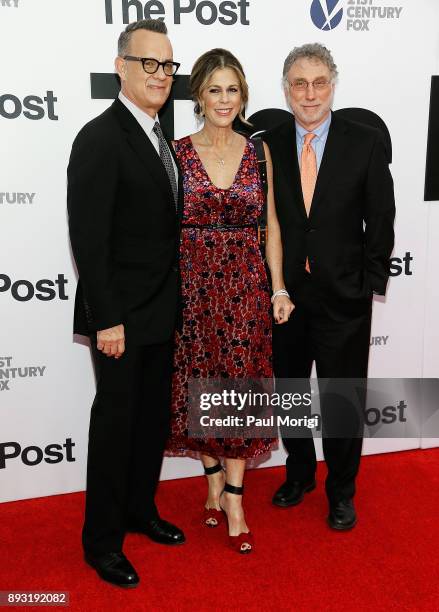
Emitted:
<point x="124" y="228"/>
<point x="335" y="204"/>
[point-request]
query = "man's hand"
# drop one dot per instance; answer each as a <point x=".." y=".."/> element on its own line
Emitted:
<point x="111" y="341"/>
<point x="282" y="308"/>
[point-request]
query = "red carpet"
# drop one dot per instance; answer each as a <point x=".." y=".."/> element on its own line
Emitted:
<point x="388" y="562"/>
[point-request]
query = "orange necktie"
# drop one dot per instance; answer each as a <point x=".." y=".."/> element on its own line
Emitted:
<point x="308" y="176"/>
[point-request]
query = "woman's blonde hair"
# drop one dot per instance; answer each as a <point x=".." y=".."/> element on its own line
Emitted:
<point x="203" y="69"/>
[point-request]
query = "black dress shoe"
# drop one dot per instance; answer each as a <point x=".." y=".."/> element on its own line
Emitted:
<point x="160" y="531"/>
<point x="342" y="515"/>
<point x="114" y="567"/>
<point x="292" y="493"/>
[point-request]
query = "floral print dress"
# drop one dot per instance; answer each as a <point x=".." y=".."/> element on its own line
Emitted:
<point x="226" y="302"/>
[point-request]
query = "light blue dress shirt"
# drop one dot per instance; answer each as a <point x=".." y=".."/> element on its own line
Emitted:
<point x="317" y="143"/>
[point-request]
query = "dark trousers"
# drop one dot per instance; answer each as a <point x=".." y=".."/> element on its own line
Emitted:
<point x="340" y="351"/>
<point x="129" y="425"/>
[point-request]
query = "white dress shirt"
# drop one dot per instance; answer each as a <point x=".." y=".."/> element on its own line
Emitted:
<point x="147" y="124"/>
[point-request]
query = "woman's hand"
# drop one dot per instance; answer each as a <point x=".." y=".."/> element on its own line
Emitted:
<point x="282" y="308"/>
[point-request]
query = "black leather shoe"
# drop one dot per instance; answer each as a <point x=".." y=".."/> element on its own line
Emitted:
<point x="292" y="493"/>
<point x="160" y="531"/>
<point x="114" y="567"/>
<point x="342" y="515"/>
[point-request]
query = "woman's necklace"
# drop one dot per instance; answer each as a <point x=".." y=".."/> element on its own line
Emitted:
<point x="219" y="160"/>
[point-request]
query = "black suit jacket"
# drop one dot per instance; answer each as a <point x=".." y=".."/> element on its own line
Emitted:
<point x="124" y="230"/>
<point x="348" y="236"/>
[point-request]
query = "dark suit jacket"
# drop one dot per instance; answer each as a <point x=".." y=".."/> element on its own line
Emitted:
<point x="348" y="236"/>
<point x="123" y="230"/>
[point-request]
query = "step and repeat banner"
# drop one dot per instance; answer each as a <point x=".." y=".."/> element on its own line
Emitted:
<point x="57" y="74"/>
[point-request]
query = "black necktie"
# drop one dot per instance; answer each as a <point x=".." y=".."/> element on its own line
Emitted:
<point x="165" y="156"/>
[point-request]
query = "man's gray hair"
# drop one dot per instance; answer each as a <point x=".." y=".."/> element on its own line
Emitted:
<point x="310" y="51"/>
<point x="152" y="25"/>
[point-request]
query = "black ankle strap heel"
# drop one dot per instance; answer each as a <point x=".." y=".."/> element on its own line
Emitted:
<point x="213" y="470"/>
<point x="244" y="542"/>
<point x="213" y="517"/>
<point x="228" y="488"/>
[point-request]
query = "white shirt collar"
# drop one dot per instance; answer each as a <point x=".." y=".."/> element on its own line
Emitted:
<point x="145" y="120"/>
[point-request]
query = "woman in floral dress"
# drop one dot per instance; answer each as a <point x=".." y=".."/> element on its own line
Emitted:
<point x="227" y="315"/>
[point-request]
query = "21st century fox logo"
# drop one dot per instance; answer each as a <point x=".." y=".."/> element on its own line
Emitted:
<point x="360" y="14"/>
<point x="11" y="373"/>
<point x="206" y="12"/>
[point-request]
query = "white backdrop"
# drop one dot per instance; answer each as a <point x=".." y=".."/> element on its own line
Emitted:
<point x="385" y="62"/>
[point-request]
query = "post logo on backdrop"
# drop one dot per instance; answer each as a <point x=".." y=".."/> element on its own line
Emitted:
<point x="31" y="107"/>
<point x="360" y="14"/>
<point x="401" y="265"/>
<point x="34" y="455"/>
<point x="386" y="415"/>
<point x="206" y="12"/>
<point x="9" y="3"/>
<point x="24" y="290"/>
<point x="9" y="373"/>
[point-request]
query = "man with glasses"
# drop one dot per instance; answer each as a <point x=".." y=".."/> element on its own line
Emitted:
<point x="123" y="202"/>
<point x="335" y="204"/>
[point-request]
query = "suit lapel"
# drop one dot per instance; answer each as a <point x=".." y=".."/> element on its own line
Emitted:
<point x="290" y="166"/>
<point x="143" y="147"/>
<point x="330" y="164"/>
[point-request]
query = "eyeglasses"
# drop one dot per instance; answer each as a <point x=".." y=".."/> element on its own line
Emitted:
<point x="302" y="85"/>
<point x="151" y="65"/>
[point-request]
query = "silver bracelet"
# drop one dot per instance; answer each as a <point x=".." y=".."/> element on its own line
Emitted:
<point x="279" y="292"/>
